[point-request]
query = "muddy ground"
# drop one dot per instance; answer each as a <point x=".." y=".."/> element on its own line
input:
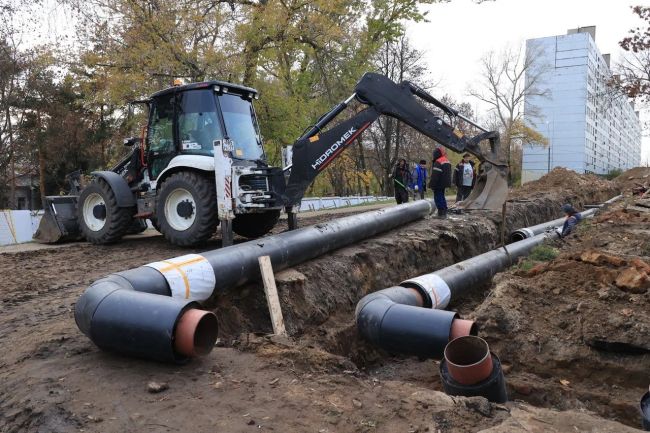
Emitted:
<point x="572" y="337"/>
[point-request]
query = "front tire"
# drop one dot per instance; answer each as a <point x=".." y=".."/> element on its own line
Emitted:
<point x="186" y="208"/>
<point x="100" y="219"/>
<point x="254" y="225"/>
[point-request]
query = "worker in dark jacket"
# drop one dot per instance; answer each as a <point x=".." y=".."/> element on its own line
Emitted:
<point x="402" y="179"/>
<point x="419" y="176"/>
<point x="573" y="217"/>
<point x="440" y="179"/>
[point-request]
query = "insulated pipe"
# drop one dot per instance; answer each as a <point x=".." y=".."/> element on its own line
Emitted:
<point x="441" y="286"/>
<point x="151" y="311"/>
<point x="645" y="411"/>
<point x="470" y="369"/>
<point x="529" y="232"/>
<point x="394" y="320"/>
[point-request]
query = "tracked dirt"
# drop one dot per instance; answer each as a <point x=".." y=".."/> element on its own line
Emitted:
<point x="323" y="378"/>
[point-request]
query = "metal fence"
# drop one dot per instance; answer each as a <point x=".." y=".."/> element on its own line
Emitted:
<point x="320" y="203"/>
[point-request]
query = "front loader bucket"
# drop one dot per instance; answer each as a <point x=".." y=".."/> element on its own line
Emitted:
<point x="59" y="221"/>
<point x="490" y="190"/>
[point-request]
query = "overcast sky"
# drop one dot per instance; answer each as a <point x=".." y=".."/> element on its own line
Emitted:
<point x="459" y="33"/>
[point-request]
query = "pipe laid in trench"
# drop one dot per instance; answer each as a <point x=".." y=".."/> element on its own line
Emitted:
<point x="529" y="232"/>
<point x="151" y="311"/>
<point x="470" y="369"/>
<point x="394" y="319"/>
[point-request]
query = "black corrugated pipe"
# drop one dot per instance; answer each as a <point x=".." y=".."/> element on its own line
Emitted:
<point x="470" y="369"/>
<point x="151" y="311"/>
<point x="529" y="232"/>
<point x="394" y="320"/>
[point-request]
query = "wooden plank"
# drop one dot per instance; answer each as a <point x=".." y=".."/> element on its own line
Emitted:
<point x="272" y="297"/>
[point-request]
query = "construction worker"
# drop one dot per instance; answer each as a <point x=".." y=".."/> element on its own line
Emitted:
<point x="440" y="179"/>
<point x="573" y="217"/>
<point x="464" y="177"/>
<point x="419" y="176"/>
<point x="401" y="178"/>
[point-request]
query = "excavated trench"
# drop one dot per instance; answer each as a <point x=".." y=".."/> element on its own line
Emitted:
<point x="322" y="294"/>
<point x="319" y="297"/>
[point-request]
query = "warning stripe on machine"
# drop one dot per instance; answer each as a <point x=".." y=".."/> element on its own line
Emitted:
<point x="189" y="277"/>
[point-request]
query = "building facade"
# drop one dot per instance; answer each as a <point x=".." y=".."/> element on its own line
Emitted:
<point x="590" y="128"/>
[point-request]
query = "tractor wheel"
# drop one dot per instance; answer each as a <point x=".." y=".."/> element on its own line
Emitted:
<point x="155" y="224"/>
<point x="137" y="226"/>
<point x="100" y="219"/>
<point x="254" y="225"/>
<point x="186" y="208"/>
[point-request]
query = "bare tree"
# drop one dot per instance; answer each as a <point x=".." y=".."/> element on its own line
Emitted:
<point x="399" y="61"/>
<point x="508" y="78"/>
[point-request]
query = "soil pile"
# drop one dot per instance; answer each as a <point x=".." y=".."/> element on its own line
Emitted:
<point x="561" y="180"/>
<point x="634" y="177"/>
<point x="573" y="332"/>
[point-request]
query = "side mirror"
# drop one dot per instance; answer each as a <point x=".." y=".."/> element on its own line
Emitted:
<point x="131" y="141"/>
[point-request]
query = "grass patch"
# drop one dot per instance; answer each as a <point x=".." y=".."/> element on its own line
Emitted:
<point x="539" y="254"/>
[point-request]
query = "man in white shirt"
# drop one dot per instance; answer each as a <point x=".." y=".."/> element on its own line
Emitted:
<point x="464" y="177"/>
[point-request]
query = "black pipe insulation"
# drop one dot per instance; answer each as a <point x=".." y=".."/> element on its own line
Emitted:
<point x="394" y="320"/>
<point x="529" y="232"/>
<point x="493" y="388"/>
<point x="645" y="411"/>
<point x="137" y="312"/>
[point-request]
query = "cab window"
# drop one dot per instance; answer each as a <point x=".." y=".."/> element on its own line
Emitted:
<point x="198" y="122"/>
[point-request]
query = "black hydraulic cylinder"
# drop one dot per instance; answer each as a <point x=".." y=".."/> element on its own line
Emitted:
<point x="493" y="388"/>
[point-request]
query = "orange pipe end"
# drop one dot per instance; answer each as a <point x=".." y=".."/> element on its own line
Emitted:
<point x="468" y="359"/>
<point x="196" y="333"/>
<point x="462" y="328"/>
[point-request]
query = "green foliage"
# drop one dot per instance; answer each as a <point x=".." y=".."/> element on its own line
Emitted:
<point x="541" y="253"/>
<point x="612" y="174"/>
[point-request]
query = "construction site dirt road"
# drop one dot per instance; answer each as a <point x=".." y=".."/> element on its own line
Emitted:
<point x="571" y="334"/>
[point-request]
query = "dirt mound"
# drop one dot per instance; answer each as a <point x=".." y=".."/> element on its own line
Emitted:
<point x="573" y="332"/>
<point x="634" y="177"/>
<point x="561" y="179"/>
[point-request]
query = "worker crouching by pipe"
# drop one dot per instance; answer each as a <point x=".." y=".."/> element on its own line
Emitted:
<point x="469" y="369"/>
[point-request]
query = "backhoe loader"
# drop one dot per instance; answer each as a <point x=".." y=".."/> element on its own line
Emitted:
<point x="200" y="163"/>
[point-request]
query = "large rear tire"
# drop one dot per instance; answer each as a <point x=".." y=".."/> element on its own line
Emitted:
<point x="186" y="208"/>
<point x="254" y="225"/>
<point x="101" y="220"/>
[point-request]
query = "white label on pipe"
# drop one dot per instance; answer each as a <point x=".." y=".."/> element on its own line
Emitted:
<point x="189" y="277"/>
<point x="435" y="287"/>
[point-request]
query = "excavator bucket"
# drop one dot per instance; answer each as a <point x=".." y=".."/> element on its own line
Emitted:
<point x="490" y="190"/>
<point x="59" y="221"/>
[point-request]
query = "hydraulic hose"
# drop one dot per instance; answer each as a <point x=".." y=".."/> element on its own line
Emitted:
<point x="152" y="311"/>
<point x="529" y="232"/>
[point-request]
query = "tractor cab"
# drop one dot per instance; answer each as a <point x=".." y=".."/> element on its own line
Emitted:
<point x="188" y="120"/>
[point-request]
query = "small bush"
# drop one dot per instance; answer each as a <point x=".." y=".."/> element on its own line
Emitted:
<point x="543" y="253"/>
<point x="613" y="174"/>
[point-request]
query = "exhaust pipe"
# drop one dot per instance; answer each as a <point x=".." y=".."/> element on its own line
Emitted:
<point x="529" y="232"/>
<point x="469" y="369"/>
<point x="152" y="311"/>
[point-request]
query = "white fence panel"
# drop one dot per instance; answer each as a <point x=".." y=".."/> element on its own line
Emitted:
<point x="18" y="226"/>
